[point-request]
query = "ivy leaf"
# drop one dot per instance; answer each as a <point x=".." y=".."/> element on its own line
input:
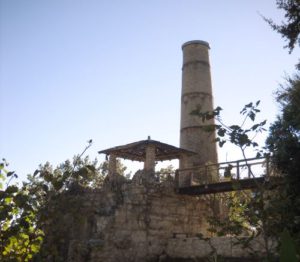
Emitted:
<point x="221" y="132"/>
<point x="244" y="110"/>
<point x="252" y="116"/>
<point x="258" y="155"/>
<point x="10" y="173"/>
<point x="8" y="200"/>
<point x="243" y="140"/>
<point x="221" y="143"/>
<point x="235" y="127"/>
<point x="254" y="127"/>
<point x="263" y="123"/>
<point x="218" y="109"/>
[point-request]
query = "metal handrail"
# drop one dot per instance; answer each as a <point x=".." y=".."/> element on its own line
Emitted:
<point x="209" y="173"/>
<point x="223" y="163"/>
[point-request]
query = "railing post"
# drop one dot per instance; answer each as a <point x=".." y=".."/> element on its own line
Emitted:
<point x="238" y="170"/>
<point x="267" y="166"/>
<point x="176" y="179"/>
<point x="250" y="173"/>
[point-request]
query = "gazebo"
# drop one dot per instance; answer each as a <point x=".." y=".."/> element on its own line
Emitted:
<point x="147" y="151"/>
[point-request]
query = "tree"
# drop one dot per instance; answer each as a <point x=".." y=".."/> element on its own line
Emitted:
<point x="25" y="211"/>
<point x="243" y="135"/>
<point x="273" y="214"/>
<point x="290" y="29"/>
<point x="284" y="138"/>
<point x="57" y="190"/>
<point x="20" y="240"/>
<point x="283" y="144"/>
<point x="247" y="213"/>
<point x="120" y="168"/>
<point x="60" y="194"/>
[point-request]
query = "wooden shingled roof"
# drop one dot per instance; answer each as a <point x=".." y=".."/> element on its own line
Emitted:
<point x="137" y="151"/>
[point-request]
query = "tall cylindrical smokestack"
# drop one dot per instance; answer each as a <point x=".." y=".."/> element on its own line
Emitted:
<point x="196" y="92"/>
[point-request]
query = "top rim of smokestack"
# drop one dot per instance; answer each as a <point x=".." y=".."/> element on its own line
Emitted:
<point x="197" y="42"/>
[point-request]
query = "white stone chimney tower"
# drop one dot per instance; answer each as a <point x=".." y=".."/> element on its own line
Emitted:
<point x="196" y="92"/>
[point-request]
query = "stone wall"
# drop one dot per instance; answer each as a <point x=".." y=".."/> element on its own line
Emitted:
<point x="134" y="220"/>
<point x="229" y="248"/>
<point x="141" y="220"/>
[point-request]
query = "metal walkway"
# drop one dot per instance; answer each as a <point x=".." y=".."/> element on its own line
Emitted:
<point x="227" y="176"/>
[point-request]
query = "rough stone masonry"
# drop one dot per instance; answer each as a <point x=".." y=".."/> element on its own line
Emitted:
<point x="135" y="220"/>
<point x="144" y="219"/>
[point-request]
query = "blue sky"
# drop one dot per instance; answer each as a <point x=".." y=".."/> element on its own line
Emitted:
<point x="111" y="70"/>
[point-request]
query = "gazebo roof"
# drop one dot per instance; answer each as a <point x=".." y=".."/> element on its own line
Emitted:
<point x="137" y="151"/>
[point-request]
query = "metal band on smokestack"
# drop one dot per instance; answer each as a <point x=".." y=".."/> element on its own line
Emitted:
<point x="196" y="92"/>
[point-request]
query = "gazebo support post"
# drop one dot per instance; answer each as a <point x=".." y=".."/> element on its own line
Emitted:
<point x="149" y="164"/>
<point x="112" y="164"/>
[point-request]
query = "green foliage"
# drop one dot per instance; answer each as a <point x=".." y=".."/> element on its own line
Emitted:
<point x="235" y="222"/>
<point x="167" y="170"/>
<point x="166" y="173"/>
<point x="273" y="214"/>
<point x="57" y="190"/>
<point x="82" y="172"/>
<point x="287" y="250"/>
<point x="20" y="240"/>
<point x="120" y="168"/>
<point x="250" y="214"/>
<point x="59" y="214"/>
<point x="242" y="135"/>
<point x="59" y="195"/>
<point x="290" y="29"/>
<point x="27" y="213"/>
<point x="264" y="213"/>
<point x="283" y="144"/>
